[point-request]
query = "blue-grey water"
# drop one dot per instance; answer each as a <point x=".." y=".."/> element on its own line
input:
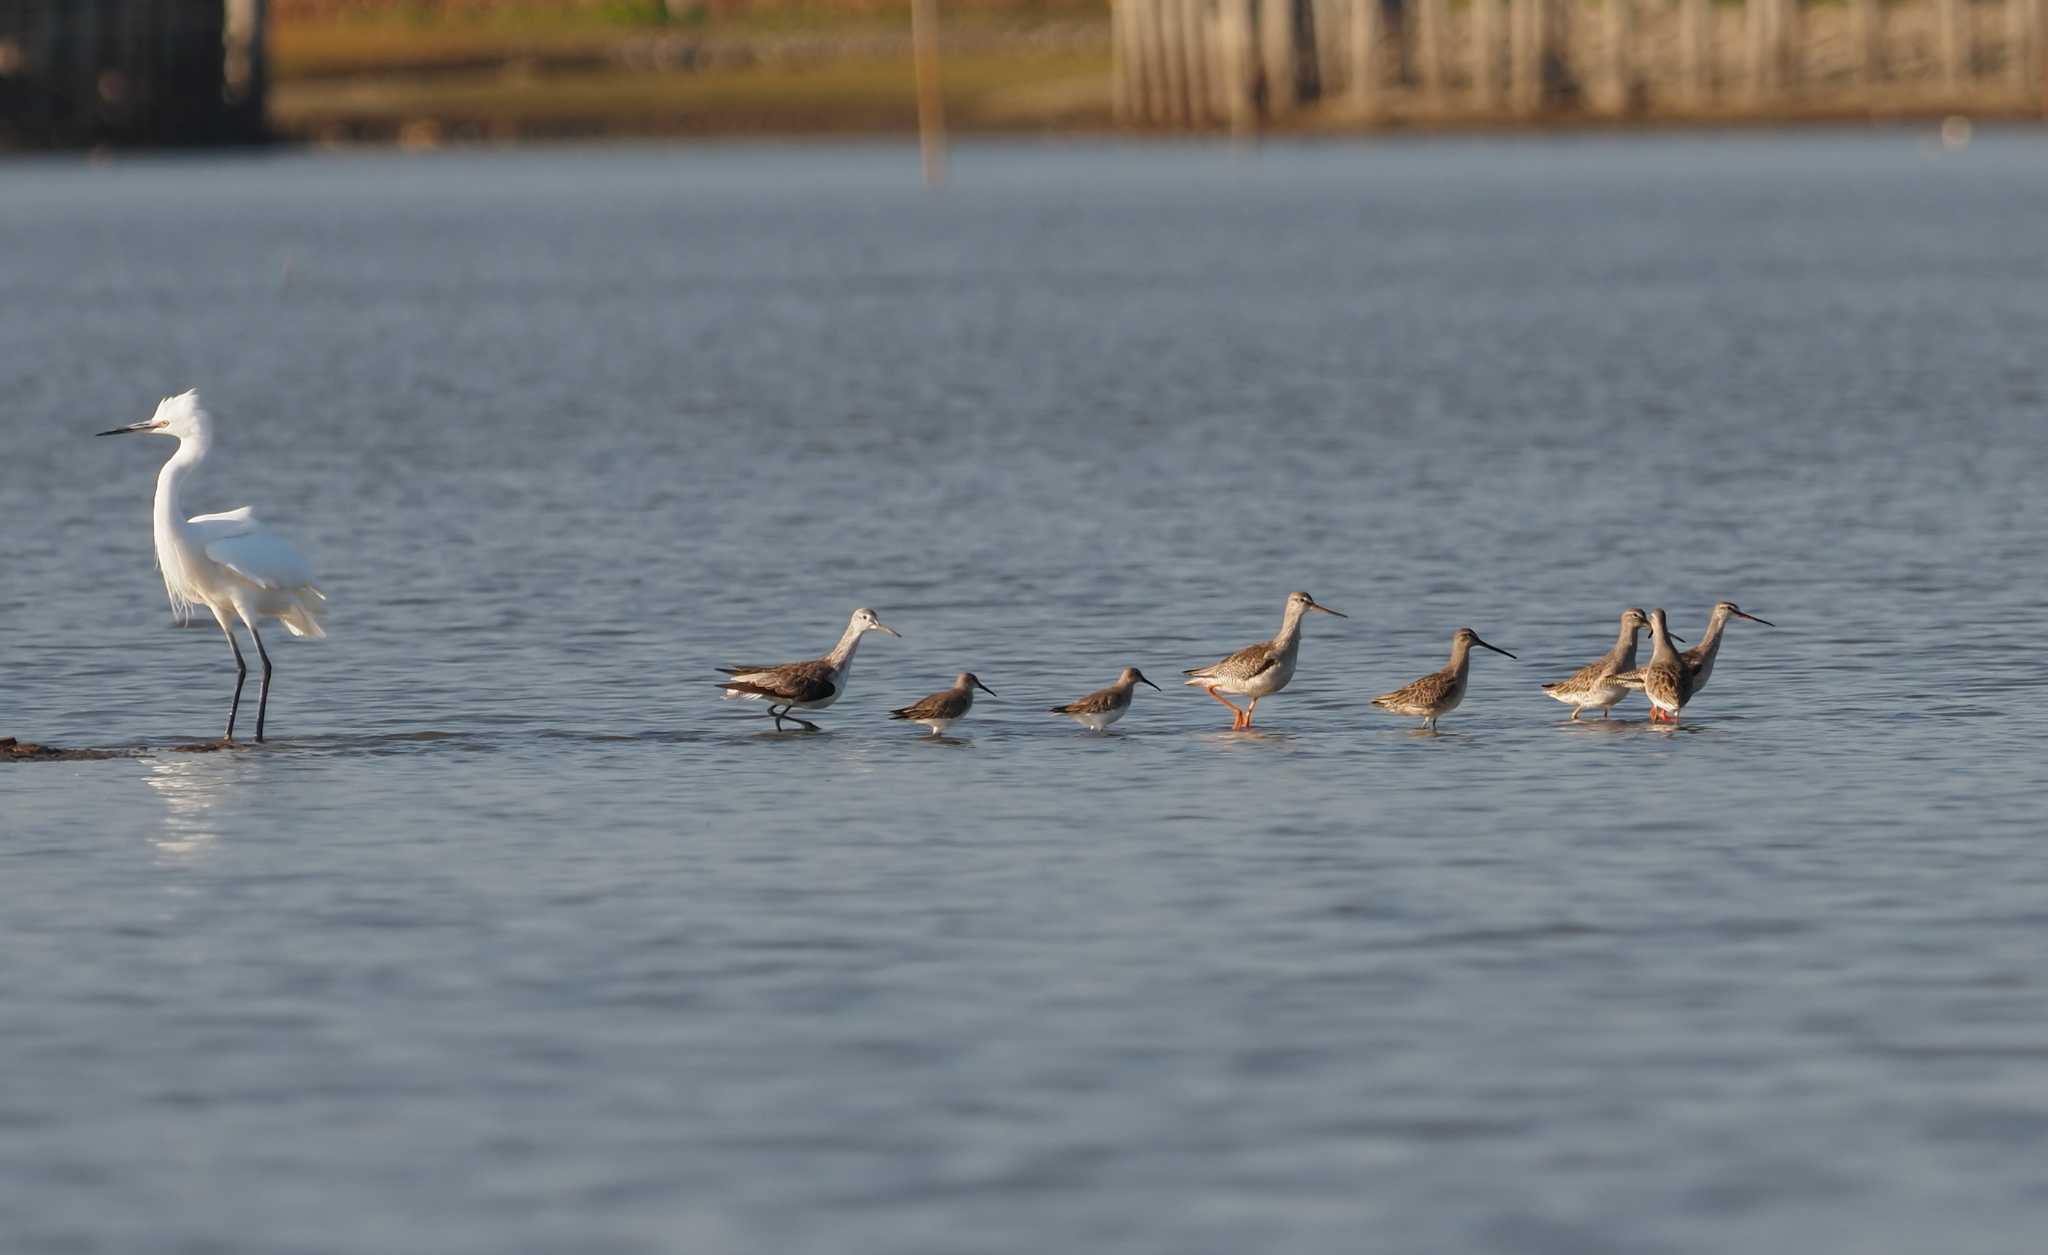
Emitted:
<point x="515" y="938"/>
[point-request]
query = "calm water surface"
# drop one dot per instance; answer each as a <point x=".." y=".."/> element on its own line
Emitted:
<point x="515" y="938"/>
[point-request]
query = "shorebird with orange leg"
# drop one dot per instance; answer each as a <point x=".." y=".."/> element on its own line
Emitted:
<point x="811" y="685"/>
<point x="1593" y="686"/>
<point x="1666" y="681"/>
<point x="1438" y="694"/>
<point x="1259" y="670"/>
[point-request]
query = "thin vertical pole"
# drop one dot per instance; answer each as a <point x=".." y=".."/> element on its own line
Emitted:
<point x="1789" y="36"/>
<point x="1195" y="34"/>
<point x="931" y="105"/>
<point x="1121" y="65"/>
<point x="1758" y="13"/>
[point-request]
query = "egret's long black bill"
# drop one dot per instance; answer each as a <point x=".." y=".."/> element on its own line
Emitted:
<point x="129" y="429"/>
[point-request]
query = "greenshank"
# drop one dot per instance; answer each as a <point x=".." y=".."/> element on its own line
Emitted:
<point x="1259" y="670"/>
<point x="1438" y="694"/>
<point x="811" y="685"/>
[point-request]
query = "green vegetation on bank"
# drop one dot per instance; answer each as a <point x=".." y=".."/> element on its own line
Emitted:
<point x="510" y="72"/>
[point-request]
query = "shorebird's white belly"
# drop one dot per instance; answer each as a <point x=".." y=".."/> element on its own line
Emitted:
<point x="1097" y="720"/>
<point x="938" y="726"/>
<point x="1269" y="681"/>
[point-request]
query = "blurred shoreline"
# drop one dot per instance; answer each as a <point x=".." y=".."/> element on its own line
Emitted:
<point x="447" y="79"/>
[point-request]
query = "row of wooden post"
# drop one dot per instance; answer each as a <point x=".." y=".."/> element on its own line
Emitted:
<point x="1234" y="63"/>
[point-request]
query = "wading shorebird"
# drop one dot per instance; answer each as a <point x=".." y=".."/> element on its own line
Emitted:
<point x="810" y="685"/>
<point x="942" y="710"/>
<point x="1593" y="686"/>
<point x="230" y="563"/>
<point x="1699" y="660"/>
<point x="1667" y="681"/>
<point x="1438" y="694"/>
<point x="1105" y="706"/>
<point x="1259" y="670"/>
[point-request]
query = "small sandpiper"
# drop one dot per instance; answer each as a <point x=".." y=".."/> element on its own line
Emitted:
<point x="1666" y="681"/>
<point x="942" y="710"/>
<point x="1259" y="670"/>
<point x="810" y="685"/>
<point x="1699" y="660"/>
<point x="1593" y="687"/>
<point x="1438" y="694"/>
<point x="1105" y="706"/>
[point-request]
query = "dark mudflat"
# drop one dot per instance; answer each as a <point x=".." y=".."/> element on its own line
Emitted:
<point x="12" y="750"/>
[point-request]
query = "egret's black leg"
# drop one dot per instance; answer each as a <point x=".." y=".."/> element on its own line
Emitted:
<point x="241" y="674"/>
<point x="263" y="695"/>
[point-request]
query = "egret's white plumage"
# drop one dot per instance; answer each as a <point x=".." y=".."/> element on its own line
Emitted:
<point x="230" y="563"/>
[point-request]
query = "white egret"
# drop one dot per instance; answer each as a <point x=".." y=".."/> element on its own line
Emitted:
<point x="229" y="563"/>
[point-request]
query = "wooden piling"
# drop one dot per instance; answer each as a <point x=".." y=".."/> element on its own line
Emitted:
<point x="1617" y="26"/>
<point x="931" y="111"/>
<point x="1526" y="42"/>
<point x="1276" y="53"/>
<point x="1486" y="53"/>
<point x="1760" y="80"/>
<point x="1866" y="49"/>
<point x="2019" y="45"/>
<point x="1952" y="42"/>
<point x="1432" y="33"/>
<point x="1368" y="33"/>
<point x="1696" y="51"/>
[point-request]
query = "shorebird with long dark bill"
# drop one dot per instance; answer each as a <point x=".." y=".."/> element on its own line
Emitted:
<point x="1593" y="686"/>
<point x="1699" y="660"/>
<point x="942" y="710"/>
<point x="1438" y="694"/>
<point x="1666" y="681"/>
<point x="812" y="685"/>
<point x="1259" y="670"/>
<point x="1105" y="706"/>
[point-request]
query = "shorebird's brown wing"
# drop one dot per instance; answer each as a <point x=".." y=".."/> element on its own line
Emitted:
<point x="1583" y="678"/>
<point x="1242" y="665"/>
<point x="1427" y="691"/>
<point x="1670" y="681"/>
<point x="1093" y="704"/>
<point x="950" y="704"/>
<point x="791" y="682"/>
